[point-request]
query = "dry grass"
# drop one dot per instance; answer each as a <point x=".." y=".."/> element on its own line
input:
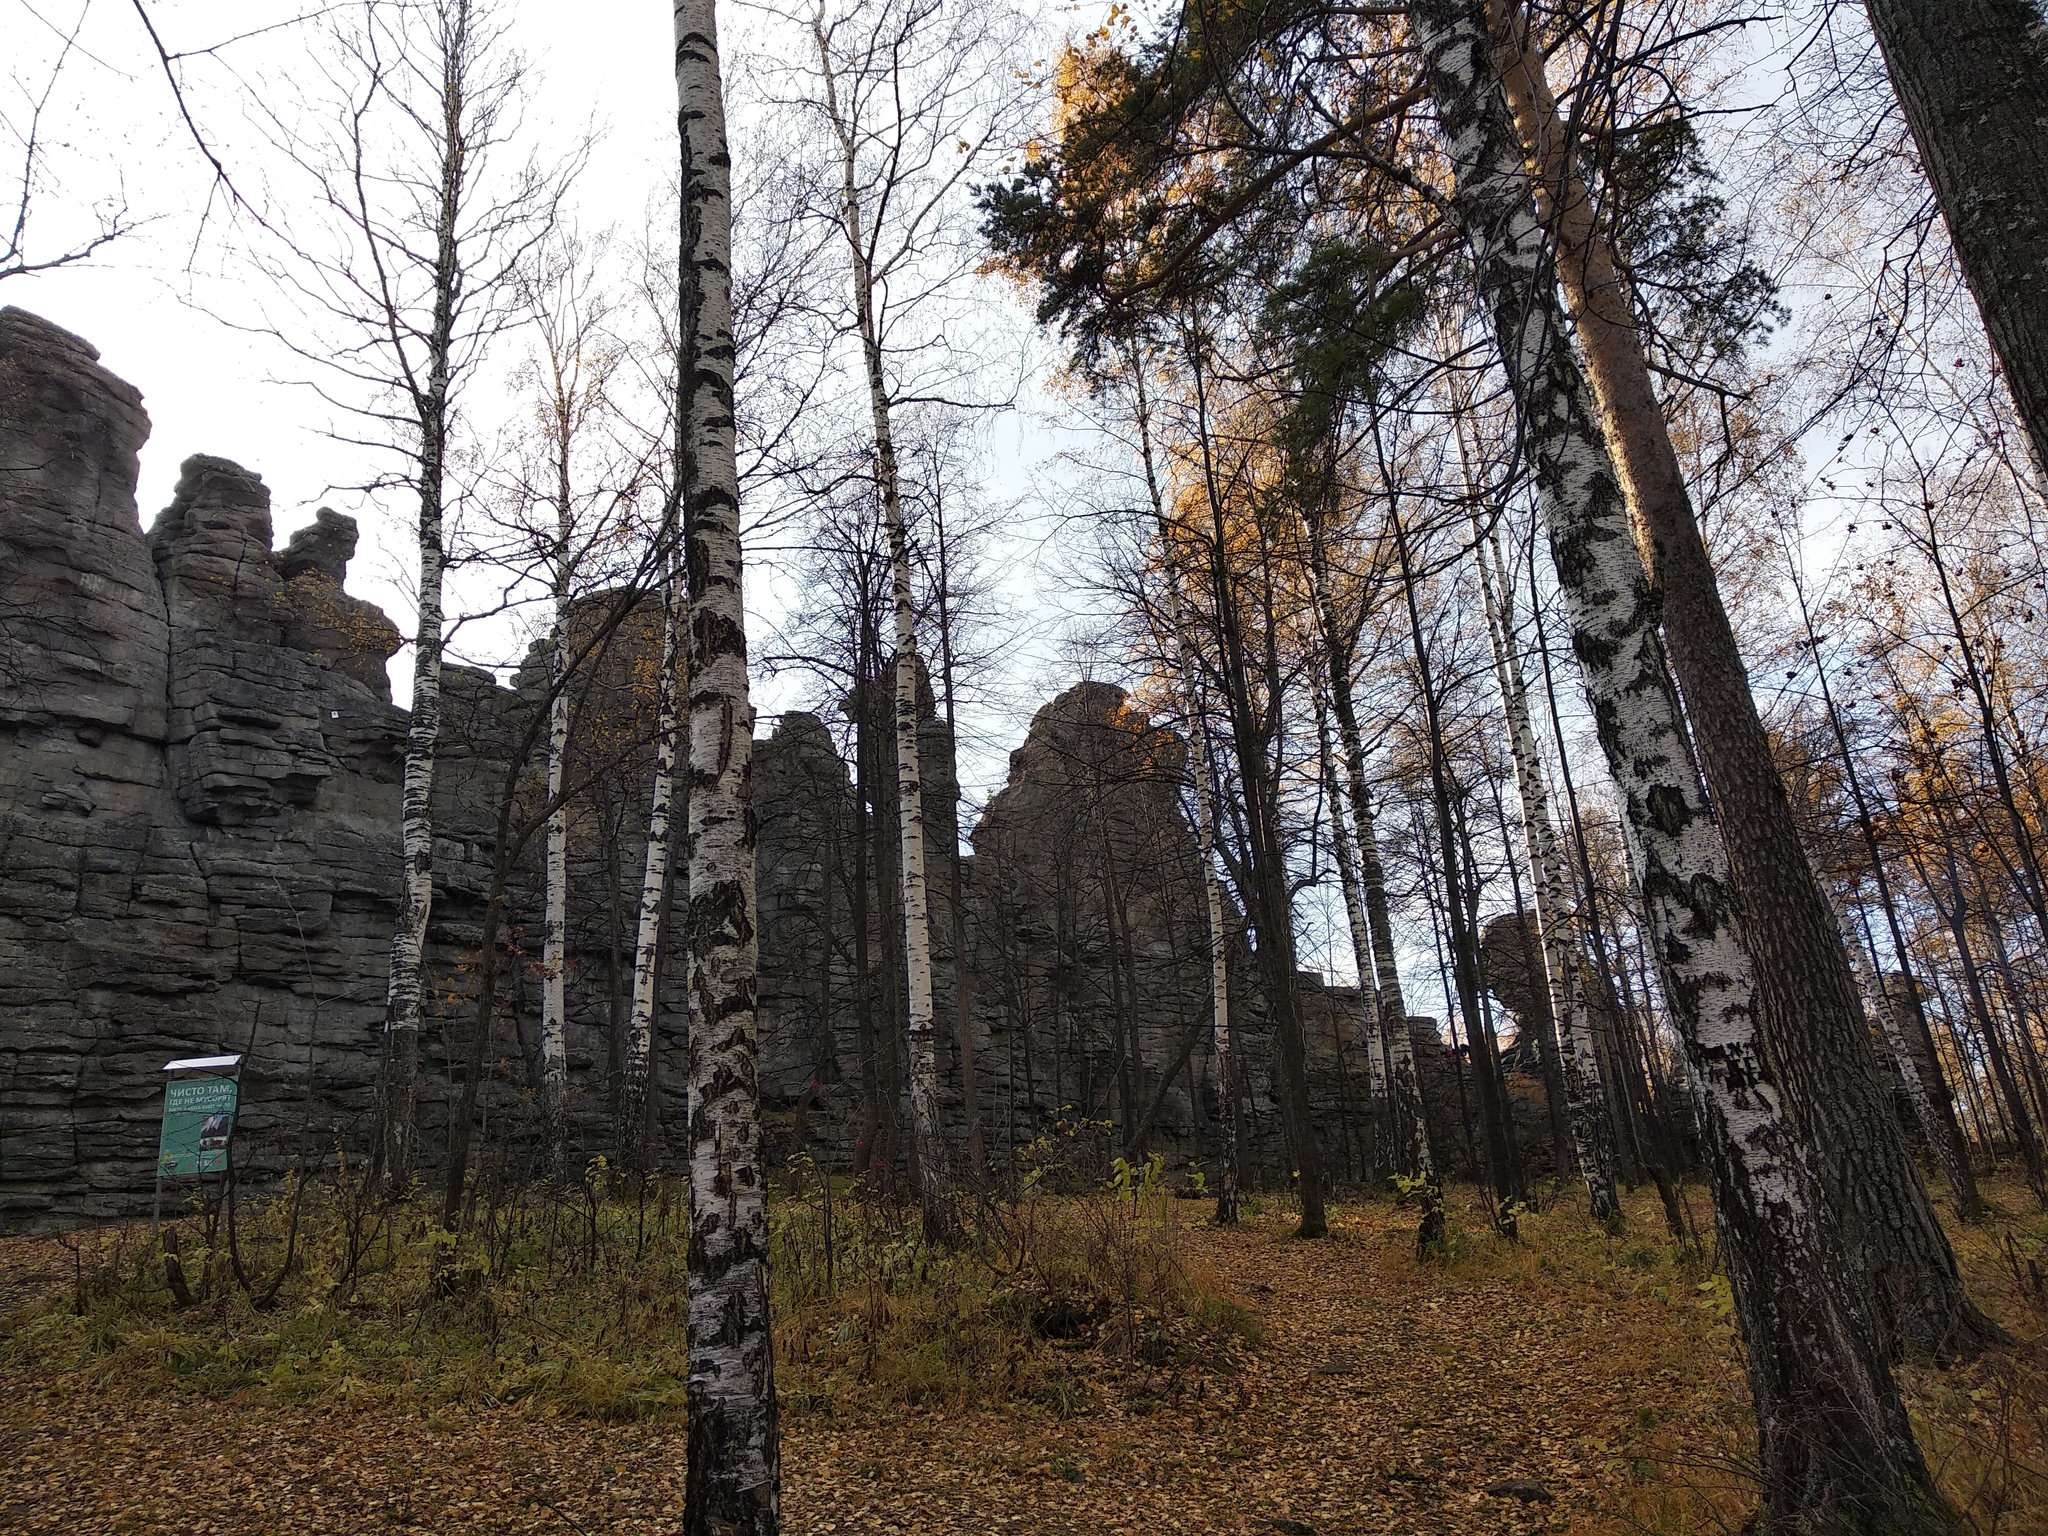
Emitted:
<point x="1091" y="1363"/>
<point x="576" y="1304"/>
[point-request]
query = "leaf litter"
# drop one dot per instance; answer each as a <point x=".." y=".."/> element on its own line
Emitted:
<point x="1573" y="1382"/>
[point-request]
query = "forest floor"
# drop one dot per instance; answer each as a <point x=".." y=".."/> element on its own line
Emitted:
<point x="1570" y="1382"/>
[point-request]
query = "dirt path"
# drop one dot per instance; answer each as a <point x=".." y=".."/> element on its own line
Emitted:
<point x="1387" y="1398"/>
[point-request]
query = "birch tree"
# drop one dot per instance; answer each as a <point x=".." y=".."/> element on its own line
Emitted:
<point x="901" y="86"/>
<point x="580" y="492"/>
<point x="401" y="256"/>
<point x="1838" y="1452"/>
<point x="733" y="1484"/>
<point x="1592" y="1142"/>
<point x="636" y="1129"/>
<point x="1810" y="1016"/>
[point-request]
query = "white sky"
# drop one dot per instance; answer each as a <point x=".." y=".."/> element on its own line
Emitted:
<point x="113" y="132"/>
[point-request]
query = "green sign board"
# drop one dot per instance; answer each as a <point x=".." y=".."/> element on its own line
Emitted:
<point x="199" y="1116"/>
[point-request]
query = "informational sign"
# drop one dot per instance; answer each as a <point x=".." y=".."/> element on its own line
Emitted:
<point x="199" y="1117"/>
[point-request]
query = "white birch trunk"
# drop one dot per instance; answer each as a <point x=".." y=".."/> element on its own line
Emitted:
<point x="1219" y="932"/>
<point x="921" y="1036"/>
<point x="1830" y="1422"/>
<point x="635" y="1122"/>
<point x="734" y="1473"/>
<point x="405" y="985"/>
<point x="1406" y="1111"/>
<point x="1354" y="907"/>
<point x="1592" y="1140"/>
<point x="1212" y="896"/>
<point x="554" y="1037"/>
<point x="1347" y="871"/>
<point x="402" y="997"/>
<point x="1404" y="1083"/>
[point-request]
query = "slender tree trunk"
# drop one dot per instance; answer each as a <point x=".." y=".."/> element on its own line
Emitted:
<point x="1407" y="1112"/>
<point x="1494" y="1129"/>
<point x="1887" y="1014"/>
<point x="1361" y="937"/>
<point x="636" y="1120"/>
<point x="2001" y="1061"/>
<point x="2015" y="998"/>
<point x="1229" y="1100"/>
<point x="869" y="1141"/>
<point x="934" y="1185"/>
<point x="402" y="1004"/>
<point x="1592" y="1142"/>
<point x="554" y="1033"/>
<point x="1973" y="78"/>
<point x="1227" y="1097"/>
<point x="1838" y="1452"/>
<point x="2028" y="877"/>
<point x="1937" y="1117"/>
<point x="1266" y="888"/>
<point x="1332" y="695"/>
<point x="733" y="1486"/>
<point x="1809" y="1017"/>
<point x="554" y="1038"/>
<point x="886" y="855"/>
<point x="404" y="992"/>
<point x="963" y="972"/>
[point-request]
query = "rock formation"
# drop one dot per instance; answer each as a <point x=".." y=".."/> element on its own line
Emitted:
<point x="199" y="769"/>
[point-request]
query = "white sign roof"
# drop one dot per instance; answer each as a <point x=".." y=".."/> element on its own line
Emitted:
<point x="203" y="1063"/>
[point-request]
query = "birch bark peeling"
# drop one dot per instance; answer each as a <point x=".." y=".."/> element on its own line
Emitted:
<point x="1837" y="1450"/>
<point x="1810" y="1021"/>
<point x="734" y="1475"/>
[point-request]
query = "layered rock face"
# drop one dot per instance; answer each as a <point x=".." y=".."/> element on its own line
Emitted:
<point x="1085" y="940"/>
<point x="199" y="765"/>
<point x="189" y="789"/>
<point x="199" y="775"/>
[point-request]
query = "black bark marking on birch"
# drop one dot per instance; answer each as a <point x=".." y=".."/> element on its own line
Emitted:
<point x="1668" y="810"/>
<point x="1838" y="1450"/>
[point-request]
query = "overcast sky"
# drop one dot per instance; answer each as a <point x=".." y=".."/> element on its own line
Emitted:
<point x="149" y="301"/>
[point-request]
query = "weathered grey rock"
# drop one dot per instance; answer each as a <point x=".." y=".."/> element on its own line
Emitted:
<point x="199" y="775"/>
<point x="198" y="795"/>
<point x="82" y="627"/>
<point x="322" y="548"/>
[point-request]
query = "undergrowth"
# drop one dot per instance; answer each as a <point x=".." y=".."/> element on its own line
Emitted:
<point x="574" y="1300"/>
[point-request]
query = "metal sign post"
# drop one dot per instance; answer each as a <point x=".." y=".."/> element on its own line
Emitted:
<point x="200" y="1098"/>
